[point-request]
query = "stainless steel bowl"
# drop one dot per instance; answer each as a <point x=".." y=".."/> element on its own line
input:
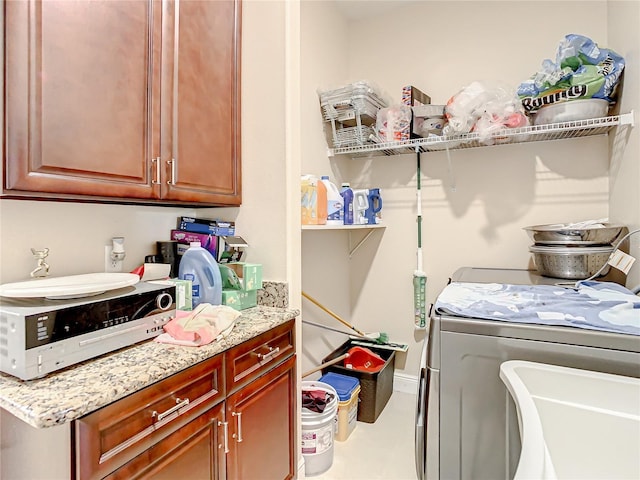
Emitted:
<point x="571" y="263"/>
<point x="563" y="234"/>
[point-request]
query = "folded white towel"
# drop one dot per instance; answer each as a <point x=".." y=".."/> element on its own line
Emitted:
<point x="203" y="325"/>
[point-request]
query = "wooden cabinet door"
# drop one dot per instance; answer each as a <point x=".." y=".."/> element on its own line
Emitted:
<point x="201" y="102"/>
<point x="196" y="451"/>
<point x="82" y="97"/>
<point x="261" y="419"/>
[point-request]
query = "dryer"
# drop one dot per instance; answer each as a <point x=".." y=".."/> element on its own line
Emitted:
<point x="466" y="423"/>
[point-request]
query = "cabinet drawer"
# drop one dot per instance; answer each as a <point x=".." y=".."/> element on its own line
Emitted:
<point x="252" y="358"/>
<point x="106" y="439"/>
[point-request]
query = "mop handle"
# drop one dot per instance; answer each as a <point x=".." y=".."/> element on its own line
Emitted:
<point x="334" y="315"/>
<point x="326" y="364"/>
<point x="419" y="208"/>
<point x="419" y="277"/>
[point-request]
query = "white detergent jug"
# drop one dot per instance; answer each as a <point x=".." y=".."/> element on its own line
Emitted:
<point x="199" y="267"/>
<point x="360" y="205"/>
<point x="335" y="203"/>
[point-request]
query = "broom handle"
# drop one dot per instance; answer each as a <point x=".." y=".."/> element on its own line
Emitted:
<point x="334" y="315"/>
<point x="326" y="364"/>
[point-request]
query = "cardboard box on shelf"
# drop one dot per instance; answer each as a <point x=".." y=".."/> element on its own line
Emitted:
<point x="411" y="97"/>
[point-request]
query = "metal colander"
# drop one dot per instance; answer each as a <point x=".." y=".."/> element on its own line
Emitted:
<point x="571" y="263"/>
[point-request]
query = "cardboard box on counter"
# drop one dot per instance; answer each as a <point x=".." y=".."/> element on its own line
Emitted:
<point x="249" y="274"/>
<point x="183" y="299"/>
<point x="231" y="249"/>
<point x="240" y="299"/>
<point x="207" y="241"/>
<point x="224" y="228"/>
<point x="206" y="226"/>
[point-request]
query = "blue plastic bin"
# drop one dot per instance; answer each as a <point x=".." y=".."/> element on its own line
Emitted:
<point x="347" y="389"/>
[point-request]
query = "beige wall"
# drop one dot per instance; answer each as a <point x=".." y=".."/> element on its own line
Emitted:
<point x="624" y="180"/>
<point x="473" y="209"/>
<point x="77" y="233"/>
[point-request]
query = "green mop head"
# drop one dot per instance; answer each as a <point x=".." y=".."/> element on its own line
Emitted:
<point x="382" y="338"/>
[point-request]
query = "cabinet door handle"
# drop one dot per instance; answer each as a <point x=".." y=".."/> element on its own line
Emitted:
<point x="268" y="356"/>
<point x="156" y="161"/>
<point x="239" y="436"/>
<point x="179" y="404"/>
<point x="172" y="164"/>
<point x="225" y="427"/>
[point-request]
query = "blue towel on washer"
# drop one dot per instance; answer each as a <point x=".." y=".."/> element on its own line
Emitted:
<point x="592" y="305"/>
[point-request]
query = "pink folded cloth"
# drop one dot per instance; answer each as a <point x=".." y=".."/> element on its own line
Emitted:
<point x="201" y="326"/>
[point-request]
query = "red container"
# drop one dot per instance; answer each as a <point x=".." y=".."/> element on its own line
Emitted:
<point x="364" y="360"/>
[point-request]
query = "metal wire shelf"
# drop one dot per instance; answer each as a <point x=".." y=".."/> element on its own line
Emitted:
<point x="535" y="133"/>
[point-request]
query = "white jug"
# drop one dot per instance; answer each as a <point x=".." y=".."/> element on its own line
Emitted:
<point x="360" y="205"/>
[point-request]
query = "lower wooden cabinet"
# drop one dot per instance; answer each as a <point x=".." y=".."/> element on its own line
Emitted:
<point x="196" y="425"/>
<point x="195" y="451"/>
<point x="261" y="417"/>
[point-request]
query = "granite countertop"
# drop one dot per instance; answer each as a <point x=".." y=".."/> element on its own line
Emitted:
<point x="68" y="394"/>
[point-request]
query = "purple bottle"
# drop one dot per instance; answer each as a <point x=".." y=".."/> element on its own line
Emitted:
<point x="347" y="196"/>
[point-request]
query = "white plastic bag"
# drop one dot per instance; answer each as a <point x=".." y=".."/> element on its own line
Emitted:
<point x="393" y="123"/>
<point x="484" y="108"/>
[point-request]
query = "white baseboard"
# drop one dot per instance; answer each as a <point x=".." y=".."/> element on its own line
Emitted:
<point x="405" y="383"/>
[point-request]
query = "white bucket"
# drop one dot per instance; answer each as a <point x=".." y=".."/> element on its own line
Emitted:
<point x="318" y="432"/>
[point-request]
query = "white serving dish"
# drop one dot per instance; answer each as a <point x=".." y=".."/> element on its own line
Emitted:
<point x="572" y="110"/>
<point x="574" y="423"/>
<point x="73" y="286"/>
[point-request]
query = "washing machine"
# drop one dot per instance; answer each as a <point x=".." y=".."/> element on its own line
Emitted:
<point x="466" y="422"/>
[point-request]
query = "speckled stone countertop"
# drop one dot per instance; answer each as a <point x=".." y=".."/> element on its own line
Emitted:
<point x="68" y="394"/>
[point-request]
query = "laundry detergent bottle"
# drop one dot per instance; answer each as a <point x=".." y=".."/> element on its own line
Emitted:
<point x="347" y="198"/>
<point x="335" y="204"/>
<point x="201" y="269"/>
<point x="313" y="200"/>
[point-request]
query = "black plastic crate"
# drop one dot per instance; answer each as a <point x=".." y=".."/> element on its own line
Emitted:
<point x="375" y="387"/>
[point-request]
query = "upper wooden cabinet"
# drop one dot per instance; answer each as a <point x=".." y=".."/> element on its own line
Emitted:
<point x="123" y="100"/>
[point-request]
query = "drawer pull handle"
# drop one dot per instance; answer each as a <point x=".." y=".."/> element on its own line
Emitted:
<point x="225" y="427"/>
<point x="156" y="179"/>
<point x="239" y="436"/>
<point x="172" y="164"/>
<point x="268" y="356"/>
<point x="179" y="404"/>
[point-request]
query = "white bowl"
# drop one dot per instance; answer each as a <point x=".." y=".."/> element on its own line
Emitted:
<point x="571" y="110"/>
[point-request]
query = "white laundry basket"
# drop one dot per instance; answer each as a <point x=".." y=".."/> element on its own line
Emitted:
<point x="318" y="431"/>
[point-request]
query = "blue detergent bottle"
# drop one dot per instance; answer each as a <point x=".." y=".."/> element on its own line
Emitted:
<point x="347" y="196"/>
<point x="200" y="268"/>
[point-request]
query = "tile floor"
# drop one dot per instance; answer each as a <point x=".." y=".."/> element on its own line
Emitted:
<point x="380" y="450"/>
